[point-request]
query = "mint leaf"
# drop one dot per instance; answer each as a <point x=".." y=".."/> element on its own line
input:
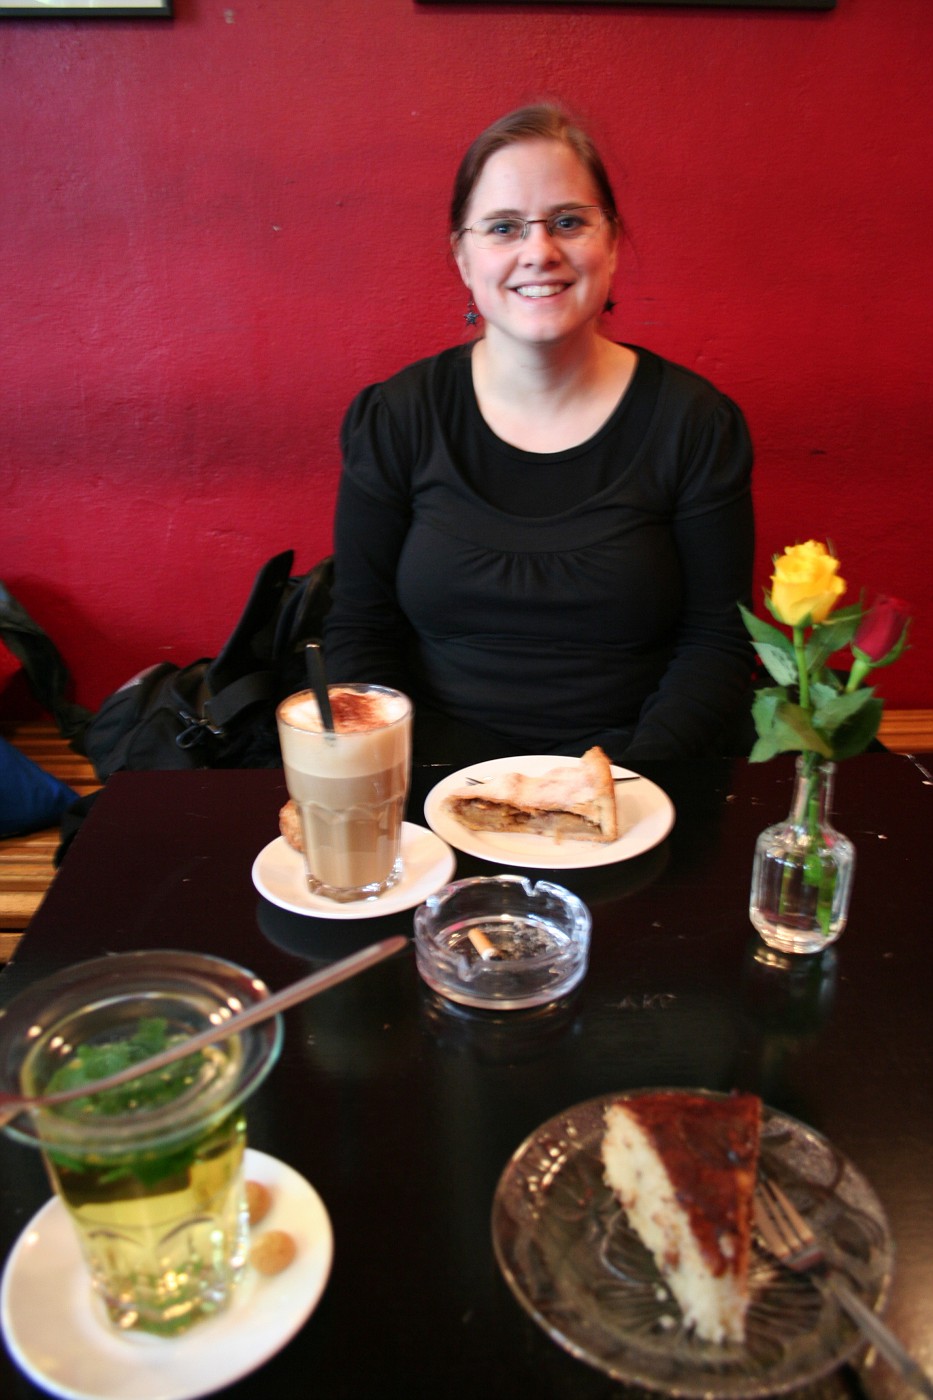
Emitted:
<point x="93" y="1062"/>
<point x="149" y="1091"/>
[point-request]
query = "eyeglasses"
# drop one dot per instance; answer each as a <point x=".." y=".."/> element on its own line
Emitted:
<point x="578" y="222"/>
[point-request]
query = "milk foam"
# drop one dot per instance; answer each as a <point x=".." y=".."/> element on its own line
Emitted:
<point x="370" y="737"/>
<point x="355" y="711"/>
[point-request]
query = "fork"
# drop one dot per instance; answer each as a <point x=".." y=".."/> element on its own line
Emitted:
<point x="787" y="1236"/>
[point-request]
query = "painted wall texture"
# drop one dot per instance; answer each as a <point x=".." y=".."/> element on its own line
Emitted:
<point x="214" y="231"/>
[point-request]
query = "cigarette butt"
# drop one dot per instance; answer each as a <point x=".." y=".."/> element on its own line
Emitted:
<point x="487" y="950"/>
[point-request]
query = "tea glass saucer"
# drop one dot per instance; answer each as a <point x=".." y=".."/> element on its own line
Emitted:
<point x="57" y="1332"/>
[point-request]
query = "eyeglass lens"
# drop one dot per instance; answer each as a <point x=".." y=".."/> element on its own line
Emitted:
<point x="578" y="222"/>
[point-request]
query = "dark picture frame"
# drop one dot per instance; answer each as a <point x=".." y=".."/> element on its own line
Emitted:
<point x="670" y="4"/>
<point x="85" y="9"/>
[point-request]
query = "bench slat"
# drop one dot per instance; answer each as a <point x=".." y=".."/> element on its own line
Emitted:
<point x="26" y="862"/>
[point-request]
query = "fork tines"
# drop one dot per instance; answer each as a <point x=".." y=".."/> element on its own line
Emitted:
<point x="783" y="1228"/>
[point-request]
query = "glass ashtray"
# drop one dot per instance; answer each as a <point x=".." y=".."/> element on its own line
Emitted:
<point x="501" y="943"/>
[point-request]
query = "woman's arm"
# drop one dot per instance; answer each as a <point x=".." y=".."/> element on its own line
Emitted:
<point x="366" y="634"/>
<point x="699" y="706"/>
<point x="702" y="695"/>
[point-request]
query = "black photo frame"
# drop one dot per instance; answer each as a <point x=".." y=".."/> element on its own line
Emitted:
<point x="85" y="9"/>
<point x="669" y="4"/>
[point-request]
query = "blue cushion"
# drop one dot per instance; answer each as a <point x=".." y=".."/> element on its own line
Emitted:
<point x="30" y="798"/>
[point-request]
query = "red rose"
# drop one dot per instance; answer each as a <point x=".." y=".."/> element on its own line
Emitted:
<point x="881" y="628"/>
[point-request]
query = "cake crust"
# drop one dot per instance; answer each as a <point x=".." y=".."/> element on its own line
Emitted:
<point x="683" y="1167"/>
<point x="577" y="802"/>
<point x="710" y="1151"/>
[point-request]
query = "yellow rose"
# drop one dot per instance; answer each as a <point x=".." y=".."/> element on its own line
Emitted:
<point x="805" y="585"/>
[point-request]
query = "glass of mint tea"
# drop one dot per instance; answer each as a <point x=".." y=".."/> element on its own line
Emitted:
<point x="151" y="1173"/>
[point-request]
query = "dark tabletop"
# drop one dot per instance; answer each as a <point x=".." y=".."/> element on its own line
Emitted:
<point x="403" y="1112"/>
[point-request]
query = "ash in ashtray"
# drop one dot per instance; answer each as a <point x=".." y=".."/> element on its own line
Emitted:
<point x="509" y="941"/>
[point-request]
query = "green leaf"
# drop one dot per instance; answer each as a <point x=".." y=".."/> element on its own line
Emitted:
<point x="765" y="706"/>
<point x="775" y="649"/>
<point x="783" y="727"/>
<point x="800" y="722"/>
<point x="831" y="636"/>
<point x="855" y="735"/>
<point x="830" y="714"/>
<point x="761" y="631"/>
<point x="823" y="692"/>
<point x="93" y="1062"/>
<point x="780" y="667"/>
<point x="851" y="720"/>
<point x="767" y="746"/>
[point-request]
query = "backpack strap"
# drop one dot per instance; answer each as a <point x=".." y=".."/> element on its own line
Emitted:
<point x="249" y="647"/>
<point x="221" y="709"/>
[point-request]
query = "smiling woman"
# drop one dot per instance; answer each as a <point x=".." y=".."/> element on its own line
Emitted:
<point x="543" y="536"/>
<point x="539" y="273"/>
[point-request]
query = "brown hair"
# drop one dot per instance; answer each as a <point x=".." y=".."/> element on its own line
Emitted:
<point x="542" y="122"/>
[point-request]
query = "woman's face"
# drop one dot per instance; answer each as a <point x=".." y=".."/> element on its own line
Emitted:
<point x="539" y="290"/>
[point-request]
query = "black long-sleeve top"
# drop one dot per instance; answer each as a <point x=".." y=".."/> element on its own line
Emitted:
<point x="542" y="602"/>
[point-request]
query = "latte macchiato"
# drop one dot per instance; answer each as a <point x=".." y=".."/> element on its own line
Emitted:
<point x="349" y="786"/>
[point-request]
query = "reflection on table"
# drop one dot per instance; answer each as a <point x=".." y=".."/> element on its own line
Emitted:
<point x="403" y="1111"/>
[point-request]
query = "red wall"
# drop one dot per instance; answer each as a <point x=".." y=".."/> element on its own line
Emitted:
<point x="214" y="230"/>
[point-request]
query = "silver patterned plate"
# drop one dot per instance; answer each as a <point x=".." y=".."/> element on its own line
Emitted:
<point x="573" y="1263"/>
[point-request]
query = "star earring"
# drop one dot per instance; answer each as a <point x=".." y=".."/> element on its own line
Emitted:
<point x="471" y="315"/>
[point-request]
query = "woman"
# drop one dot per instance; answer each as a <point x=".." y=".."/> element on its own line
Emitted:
<point x="542" y="537"/>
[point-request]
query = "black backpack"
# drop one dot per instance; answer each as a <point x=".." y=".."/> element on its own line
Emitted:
<point x="220" y="712"/>
<point x="45" y="671"/>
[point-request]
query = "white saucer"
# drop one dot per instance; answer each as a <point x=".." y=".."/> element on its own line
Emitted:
<point x="646" y="815"/>
<point x="57" y="1332"/>
<point x="279" y="875"/>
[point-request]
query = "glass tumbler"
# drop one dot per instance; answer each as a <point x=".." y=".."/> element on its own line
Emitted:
<point x="149" y="1173"/>
<point x="349" y="786"/>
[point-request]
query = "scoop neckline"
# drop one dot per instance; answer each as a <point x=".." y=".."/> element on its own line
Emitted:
<point x="524" y="454"/>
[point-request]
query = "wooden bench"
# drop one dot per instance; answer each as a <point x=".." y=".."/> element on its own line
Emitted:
<point x="26" y="862"/>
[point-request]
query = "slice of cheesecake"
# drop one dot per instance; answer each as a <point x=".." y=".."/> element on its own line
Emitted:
<point x="683" y="1168"/>
<point x="574" y="801"/>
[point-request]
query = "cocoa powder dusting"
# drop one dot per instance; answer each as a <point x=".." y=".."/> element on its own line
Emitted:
<point x="353" y="711"/>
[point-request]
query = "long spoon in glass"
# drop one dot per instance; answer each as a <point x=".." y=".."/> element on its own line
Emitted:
<point x="11" y="1105"/>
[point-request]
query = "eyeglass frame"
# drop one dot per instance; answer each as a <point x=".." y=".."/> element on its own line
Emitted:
<point x="604" y="216"/>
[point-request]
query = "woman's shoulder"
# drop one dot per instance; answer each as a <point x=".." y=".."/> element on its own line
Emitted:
<point x="422" y="379"/>
<point x="699" y="440"/>
<point x="682" y="386"/>
<point x="392" y="423"/>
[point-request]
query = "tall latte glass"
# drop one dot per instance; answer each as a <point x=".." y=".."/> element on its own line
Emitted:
<point x="150" y="1173"/>
<point x="349" y="785"/>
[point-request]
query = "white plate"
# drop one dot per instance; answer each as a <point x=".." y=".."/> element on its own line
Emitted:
<point x="57" y="1332"/>
<point x="279" y="875"/>
<point x="646" y="815"/>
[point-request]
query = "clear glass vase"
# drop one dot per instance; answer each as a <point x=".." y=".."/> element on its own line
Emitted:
<point x="802" y="874"/>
